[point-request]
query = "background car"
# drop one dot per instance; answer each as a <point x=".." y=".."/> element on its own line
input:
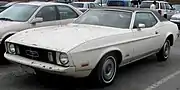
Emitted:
<point x="3" y="3"/>
<point x="176" y="19"/>
<point x="164" y="8"/>
<point x="83" y="6"/>
<point x="177" y="7"/>
<point x="2" y="8"/>
<point x="34" y="14"/>
<point x="95" y="45"/>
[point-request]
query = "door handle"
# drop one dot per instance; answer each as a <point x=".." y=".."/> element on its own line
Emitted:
<point x="156" y="32"/>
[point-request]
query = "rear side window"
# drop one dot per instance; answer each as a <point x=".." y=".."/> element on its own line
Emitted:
<point x="48" y="13"/>
<point x="66" y="12"/>
<point x="146" y="18"/>
<point x="148" y="4"/>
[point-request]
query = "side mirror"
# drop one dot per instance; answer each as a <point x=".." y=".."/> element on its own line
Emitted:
<point x="141" y="25"/>
<point x="37" y="20"/>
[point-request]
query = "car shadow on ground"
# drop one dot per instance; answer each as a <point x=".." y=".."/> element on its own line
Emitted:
<point x="66" y="83"/>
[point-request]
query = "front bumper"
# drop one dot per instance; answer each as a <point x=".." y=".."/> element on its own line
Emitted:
<point x="50" y="68"/>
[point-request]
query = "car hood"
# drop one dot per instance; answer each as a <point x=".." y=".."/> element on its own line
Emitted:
<point x="176" y="15"/>
<point x="62" y="38"/>
<point x="5" y="24"/>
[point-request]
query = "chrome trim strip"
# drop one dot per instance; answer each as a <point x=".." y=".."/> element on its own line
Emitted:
<point x="123" y="42"/>
<point x="139" y="57"/>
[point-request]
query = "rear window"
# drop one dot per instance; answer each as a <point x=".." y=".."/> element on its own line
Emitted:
<point x="148" y="4"/>
<point x="78" y="5"/>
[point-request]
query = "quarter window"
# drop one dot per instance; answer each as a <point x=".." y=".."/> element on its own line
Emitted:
<point x="66" y="12"/>
<point x="48" y="13"/>
<point x="146" y="18"/>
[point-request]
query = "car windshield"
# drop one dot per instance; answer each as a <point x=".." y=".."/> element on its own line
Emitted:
<point x="177" y="7"/>
<point x="148" y="4"/>
<point x="118" y="19"/>
<point x="78" y="5"/>
<point x="19" y="12"/>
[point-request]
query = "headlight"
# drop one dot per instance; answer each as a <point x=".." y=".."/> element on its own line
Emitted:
<point x="62" y="59"/>
<point x="11" y="48"/>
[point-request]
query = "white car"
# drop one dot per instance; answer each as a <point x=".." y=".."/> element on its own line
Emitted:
<point x="83" y="6"/>
<point x="176" y="19"/>
<point x="163" y="7"/>
<point x="96" y="44"/>
<point x="34" y="14"/>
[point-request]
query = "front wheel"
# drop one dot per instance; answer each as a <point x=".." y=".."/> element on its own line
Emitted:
<point x="105" y="71"/>
<point x="163" y="54"/>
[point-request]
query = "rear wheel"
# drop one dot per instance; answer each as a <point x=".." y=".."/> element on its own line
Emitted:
<point x="105" y="71"/>
<point x="163" y="54"/>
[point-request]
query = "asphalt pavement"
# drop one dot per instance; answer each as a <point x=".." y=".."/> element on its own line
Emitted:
<point x="146" y="74"/>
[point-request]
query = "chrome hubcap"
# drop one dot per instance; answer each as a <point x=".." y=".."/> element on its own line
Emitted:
<point x="109" y="69"/>
<point x="166" y="50"/>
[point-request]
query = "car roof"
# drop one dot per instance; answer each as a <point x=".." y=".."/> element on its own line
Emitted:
<point x="83" y="2"/>
<point x="132" y="9"/>
<point x="156" y="1"/>
<point x="38" y="3"/>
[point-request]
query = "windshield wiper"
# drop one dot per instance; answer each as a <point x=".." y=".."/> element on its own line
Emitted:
<point x="6" y="19"/>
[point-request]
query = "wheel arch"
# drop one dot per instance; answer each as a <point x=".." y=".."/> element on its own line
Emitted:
<point x="170" y="37"/>
<point x="6" y="35"/>
<point x="114" y="50"/>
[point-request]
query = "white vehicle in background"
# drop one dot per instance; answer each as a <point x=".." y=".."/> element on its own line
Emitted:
<point x="34" y="14"/>
<point x="164" y="8"/>
<point x="95" y="45"/>
<point x="83" y="6"/>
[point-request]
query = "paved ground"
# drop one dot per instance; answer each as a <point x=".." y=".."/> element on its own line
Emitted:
<point x="147" y="74"/>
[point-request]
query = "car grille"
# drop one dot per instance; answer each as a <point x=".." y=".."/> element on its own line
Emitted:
<point x="36" y="53"/>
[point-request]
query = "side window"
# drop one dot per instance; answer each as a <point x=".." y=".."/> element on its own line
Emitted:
<point x="92" y="5"/>
<point x="168" y="6"/>
<point x="146" y="18"/>
<point x="162" y="6"/>
<point x="48" y="13"/>
<point x="66" y="12"/>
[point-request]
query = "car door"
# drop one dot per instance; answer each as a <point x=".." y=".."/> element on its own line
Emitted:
<point x="49" y="16"/>
<point x="146" y="38"/>
<point x="66" y="14"/>
<point x="169" y="11"/>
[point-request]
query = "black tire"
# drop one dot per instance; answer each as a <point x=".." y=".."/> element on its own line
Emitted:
<point x="107" y="65"/>
<point x="165" y="16"/>
<point x="163" y="54"/>
<point x="2" y="51"/>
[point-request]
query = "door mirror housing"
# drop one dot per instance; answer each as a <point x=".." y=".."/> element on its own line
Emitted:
<point x="36" y="20"/>
<point x="141" y="25"/>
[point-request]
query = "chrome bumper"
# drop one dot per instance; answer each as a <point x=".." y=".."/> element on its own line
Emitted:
<point x="51" y="68"/>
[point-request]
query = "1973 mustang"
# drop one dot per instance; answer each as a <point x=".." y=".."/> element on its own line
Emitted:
<point x="96" y="44"/>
